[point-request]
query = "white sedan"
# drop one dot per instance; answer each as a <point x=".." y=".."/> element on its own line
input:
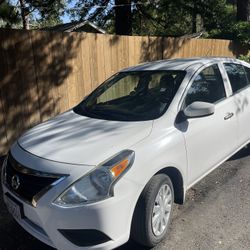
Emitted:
<point x="113" y="166"/>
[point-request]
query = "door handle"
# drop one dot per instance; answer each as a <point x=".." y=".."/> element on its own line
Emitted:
<point x="228" y="116"/>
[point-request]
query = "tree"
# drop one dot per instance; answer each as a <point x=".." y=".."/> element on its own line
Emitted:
<point x="38" y="12"/>
<point x="24" y="14"/>
<point x="123" y="17"/>
<point x="102" y="12"/>
<point x="47" y="11"/>
<point x="9" y="14"/>
<point x="243" y="10"/>
<point x="181" y="17"/>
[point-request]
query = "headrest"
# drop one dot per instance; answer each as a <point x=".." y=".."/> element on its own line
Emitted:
<point x="167" y="81"/>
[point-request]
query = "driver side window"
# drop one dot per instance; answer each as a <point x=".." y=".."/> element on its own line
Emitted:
<point x="208" y="86"/>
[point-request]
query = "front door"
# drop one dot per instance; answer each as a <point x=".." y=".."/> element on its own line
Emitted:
<point x="209" y="140"/>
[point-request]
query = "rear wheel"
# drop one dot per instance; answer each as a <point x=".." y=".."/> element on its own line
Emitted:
<point x="153" y="211"/>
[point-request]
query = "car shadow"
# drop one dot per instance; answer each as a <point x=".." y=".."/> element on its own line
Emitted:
<point x="244" y="152"/>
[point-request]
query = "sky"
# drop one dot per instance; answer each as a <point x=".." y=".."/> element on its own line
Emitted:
<point x="66" y="18"/>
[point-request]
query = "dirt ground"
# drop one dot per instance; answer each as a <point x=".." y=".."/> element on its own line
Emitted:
<point x="216" y="214"/>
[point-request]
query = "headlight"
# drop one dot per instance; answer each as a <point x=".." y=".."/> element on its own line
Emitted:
<point x="98" y="184"/>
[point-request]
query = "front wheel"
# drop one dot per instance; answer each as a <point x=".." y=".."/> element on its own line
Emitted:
<point x="153" y="211"/>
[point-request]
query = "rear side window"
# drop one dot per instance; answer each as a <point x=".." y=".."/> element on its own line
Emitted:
<point x="248" y="73"/>
<point x="208" y="86"/>
<point x="237" y="76"/>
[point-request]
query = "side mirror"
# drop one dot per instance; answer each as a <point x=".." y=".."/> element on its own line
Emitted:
<point x="199" y="109"/>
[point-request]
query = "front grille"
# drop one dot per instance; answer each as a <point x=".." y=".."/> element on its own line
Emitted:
<point x="25" y="182"/>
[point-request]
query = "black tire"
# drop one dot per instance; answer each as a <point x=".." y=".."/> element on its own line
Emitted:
<point x="141" y="229"/>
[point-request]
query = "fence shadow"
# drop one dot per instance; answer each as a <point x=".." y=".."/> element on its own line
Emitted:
<point x="33" y="66"/>
<point x="158" y="48"/>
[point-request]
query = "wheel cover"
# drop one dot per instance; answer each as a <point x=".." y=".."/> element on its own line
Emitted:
<point x="161" y="210"/>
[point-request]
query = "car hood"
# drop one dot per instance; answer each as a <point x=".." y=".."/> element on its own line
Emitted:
<point x="75" y="139"/>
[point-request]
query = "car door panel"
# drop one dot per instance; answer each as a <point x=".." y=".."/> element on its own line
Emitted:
<point x="209" y="140"/>
<point x="240" y="84"/>
<point x="242" y="102"/>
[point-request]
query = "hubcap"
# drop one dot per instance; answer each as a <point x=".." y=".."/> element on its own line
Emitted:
<point x="161" y="211"/>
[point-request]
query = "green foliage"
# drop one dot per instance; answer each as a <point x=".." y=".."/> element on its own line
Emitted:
<point x="161" y="17"/>
<point x="86" y="10"/>
<point x="167" y="18"/>
<point x="47" y="10"/>
<point x="245" y="58"/>
<point x="9" y="15"/>
<point x="242" y="32"/>
<point x="225" y="26"/>
<point x="236" y="31"/>
<point x="45" y="13"/>
<point x="41" y="12"/>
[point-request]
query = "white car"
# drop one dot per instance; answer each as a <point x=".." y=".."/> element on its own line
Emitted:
<point x="113" y="166"/>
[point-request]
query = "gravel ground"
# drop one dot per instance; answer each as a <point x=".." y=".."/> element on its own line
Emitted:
<point x="216" y="214"/>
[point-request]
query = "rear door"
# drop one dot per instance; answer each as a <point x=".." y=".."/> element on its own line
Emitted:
<point x="239" y="78"/>
<point x="209" y="140"/>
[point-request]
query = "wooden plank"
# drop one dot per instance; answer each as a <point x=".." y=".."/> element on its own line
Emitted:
<point x="114" y="44"/>
<point x="60" y="57"/>
<point x="85" y="55"/>
<point x="7" y="85"/>
<point x="168" y="47"/>
<point x="80" y="61"/>
<point x="131" y="50"/>
<point x="4" y="145"/>
<point x="69" y="83"/>
<point x="208" y="47"/>
<point x="25" y="63"/>
<point x="125" y="51"/>
<point x="101" y="76"/>
<point x="107" y="56"/>
<point x="140" y="56"/>
<point x="75" y="63"/>
<point x="144" y="50"/>
<point x="93" y="64"/>
<point x="16" y="100"/>
<point x="45" y="73"/>
<point x="186" y="49"/>
<point x="122" y="52"/>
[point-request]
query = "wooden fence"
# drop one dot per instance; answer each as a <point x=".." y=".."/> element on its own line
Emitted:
<point x="45" y="73"/>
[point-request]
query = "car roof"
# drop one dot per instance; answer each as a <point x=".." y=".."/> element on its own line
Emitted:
<point x="179" y="63"/>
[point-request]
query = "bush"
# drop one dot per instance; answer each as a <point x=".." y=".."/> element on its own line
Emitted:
<point x="242" y="33"/>
<point x="245" y="58"/>
<point x="238" y="32"/>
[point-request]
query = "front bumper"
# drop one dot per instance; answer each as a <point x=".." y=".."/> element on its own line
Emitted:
<point x="111" y="217"/>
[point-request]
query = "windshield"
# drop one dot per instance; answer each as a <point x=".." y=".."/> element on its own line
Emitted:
<point x="132" y="96"/>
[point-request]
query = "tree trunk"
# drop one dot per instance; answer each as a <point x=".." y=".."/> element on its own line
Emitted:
<point x="194" y="28"/>
<point x="194" y="17"/>
<point x="123" y="17"/>
<point x="243" y="10"/>
<point x="24" y="15"/>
